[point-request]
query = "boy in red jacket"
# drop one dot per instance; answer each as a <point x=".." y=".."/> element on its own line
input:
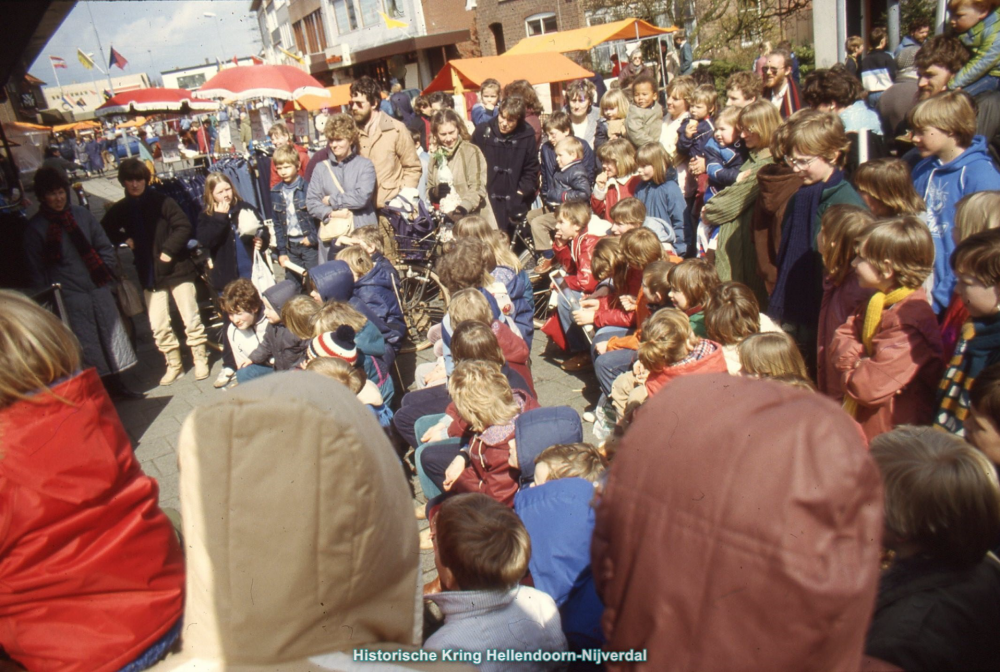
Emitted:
<point x="574" y="249"/>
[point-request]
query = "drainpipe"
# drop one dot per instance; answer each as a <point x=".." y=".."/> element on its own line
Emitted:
<point x="842" y="30"/>
<point x="893" y="26"/>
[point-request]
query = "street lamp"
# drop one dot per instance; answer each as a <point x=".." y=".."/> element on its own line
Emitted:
<point x="218" y="32"/>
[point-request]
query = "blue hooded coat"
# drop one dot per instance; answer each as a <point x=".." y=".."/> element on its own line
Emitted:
<point x="376" y="289"/>
<point x="942" y="186"/>
<point x="666" y="201"/>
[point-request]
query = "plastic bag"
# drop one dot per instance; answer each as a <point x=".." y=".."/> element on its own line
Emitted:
<point x="261" y="276"/>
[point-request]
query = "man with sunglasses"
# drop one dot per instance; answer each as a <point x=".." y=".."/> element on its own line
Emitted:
<point x="779" y="87"/>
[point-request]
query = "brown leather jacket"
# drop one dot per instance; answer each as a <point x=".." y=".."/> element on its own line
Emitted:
<point x="747" y="540"/>
<point x="390" y="147"/>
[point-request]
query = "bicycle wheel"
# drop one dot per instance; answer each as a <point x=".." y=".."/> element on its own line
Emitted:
<point x="424" y="301"/>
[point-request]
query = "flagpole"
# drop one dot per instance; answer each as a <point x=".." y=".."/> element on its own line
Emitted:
<point x="100" y="49"/>
<point x="56" y="75"/>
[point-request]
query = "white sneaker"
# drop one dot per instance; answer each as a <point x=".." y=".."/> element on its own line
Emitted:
<point x="224" y="377"/>
<point x="589" y="417"/>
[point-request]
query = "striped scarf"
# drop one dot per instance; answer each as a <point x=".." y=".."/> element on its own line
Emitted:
<point x="873" y="320"/>
<point x="61" y="221"/>
<point x="978" y="348"/>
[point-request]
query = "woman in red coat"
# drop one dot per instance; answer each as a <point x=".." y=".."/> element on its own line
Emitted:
<point x="91" y="573"/>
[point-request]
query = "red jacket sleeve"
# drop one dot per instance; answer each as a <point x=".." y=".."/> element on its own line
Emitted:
<point x="610" y="312"/>
<point x="582" y="279"/>
<point x="514" y="349"/>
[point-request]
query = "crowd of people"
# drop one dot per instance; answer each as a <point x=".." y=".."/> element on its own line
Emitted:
<point x="792" y="312"/>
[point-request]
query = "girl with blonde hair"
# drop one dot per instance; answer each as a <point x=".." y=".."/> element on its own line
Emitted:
<point x="231" y="230"/>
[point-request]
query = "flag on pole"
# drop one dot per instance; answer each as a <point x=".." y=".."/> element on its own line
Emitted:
<point x="236" y="61"/>
<point x="80" y="102"/>
<point x="58" y="62"/>
<point x="117" y="59"/>
<point x="392" y="23"/>
<point x="256" y="61"/>
<point x="85" y="60"/>
<point x="298" y="58"/>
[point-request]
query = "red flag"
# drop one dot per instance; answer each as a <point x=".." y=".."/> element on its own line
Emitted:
<point x="117" y="59"/>
<point x="256" y="61"/>
<point x="235" y="61"/>
<point x="57" y="62"/>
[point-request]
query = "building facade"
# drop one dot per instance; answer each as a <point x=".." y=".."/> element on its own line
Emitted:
<point x="503" y="23"/>
<point x="192" y="77"/>
<point x="83" y="98"/>
<point x="339" y="40"/>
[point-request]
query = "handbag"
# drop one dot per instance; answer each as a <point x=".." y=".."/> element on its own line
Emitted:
<point x="261" y="275"/>
<point x="332" y="228"/>
<point x="127" y="293"/>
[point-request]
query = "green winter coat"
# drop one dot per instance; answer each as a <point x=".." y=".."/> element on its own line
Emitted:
<point x="732" y="211"/>
<point x="468" y="172"/>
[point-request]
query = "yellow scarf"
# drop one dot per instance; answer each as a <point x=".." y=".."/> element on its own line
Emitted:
<point x="873" y="319"/>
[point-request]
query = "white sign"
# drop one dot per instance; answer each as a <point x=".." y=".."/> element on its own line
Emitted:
<point x="170" y="148"/>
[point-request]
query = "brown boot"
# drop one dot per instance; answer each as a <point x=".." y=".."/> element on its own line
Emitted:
<point x="174" y="367"/>
<point x="200" y="355"/>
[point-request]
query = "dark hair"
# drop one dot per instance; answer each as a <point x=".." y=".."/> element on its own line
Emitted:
<point x="941" y="50"/>
<point x="979" y="256"/>
<point x="521" y="88"/>
<point x="475" y="340"/>
<point x="367" y="87"/>
<point x="560" y="121"/>
<point x="643" y="79"/>
<point x="984" y="395"/>
<point x="918" y="23"/>
<point x="834" y="85"/>
<point x="49" y="179"/>
<point x="133" y="169"/>
<point x="443" y="98"/>
<point x="875" y="37"/>
<point x="513" y="106"/>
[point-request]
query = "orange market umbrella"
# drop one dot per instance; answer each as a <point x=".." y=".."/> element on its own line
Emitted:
<point x="132" y="123"/>
<point x="78" y="126"/>
<point x="583" y="39"/>
<point x="542" y="68"/>
<point x="339" y="95"/>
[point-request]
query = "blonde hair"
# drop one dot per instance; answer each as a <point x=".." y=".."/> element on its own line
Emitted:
<point x="211" y="182"/>
<point x="629" y="211"/>
<point x="682" y="88"/>
<point x="760" y="117"/>
<point x="615" y="100"/>
<point x="888" y="181"/>
<point x="286" y="155"/>
<point x="474" y="226"/>
<point x="951" y="112"/>
<point x="369" y="235"/>
<point x="469" y="304"/>
<point x="842" y="227"/>
<point x="976" y="213"/>
<point x="482" y="395"/>
<point x="340" y="370"/>
<point x="771" y="354"/>
<point x="653" y="154"/>
<point x="706" y="95"/>
<point x="606" y="258"/>
<point x="667" y="338"/>
<point x="299" y="315"/>
<point x="820" y="134"/>
<point x="620" y="152"/>
<point x="342" y="127"/>
<point x="906" y="243"/>
<point x="576" y="213"/>
<point x="335" y="313"/>
<point x="359" y="261"/>
<point x="482" y="542"/>
<point x="571" y="145"/>
<point x="573" y="460"/>
<point x="729" y="115"/>
<point x="36" y="349"/>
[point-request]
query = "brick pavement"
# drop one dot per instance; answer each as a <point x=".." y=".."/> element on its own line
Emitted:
<point x="153" y="423"/>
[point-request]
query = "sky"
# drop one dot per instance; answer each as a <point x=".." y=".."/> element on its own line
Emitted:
<point x="153" y="35"/>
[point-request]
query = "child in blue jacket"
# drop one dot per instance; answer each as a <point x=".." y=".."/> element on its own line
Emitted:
<point x="375" y="286"/>
<point x="294" y="228"/>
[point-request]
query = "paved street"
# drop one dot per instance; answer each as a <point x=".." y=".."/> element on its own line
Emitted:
<point x="154" y="422"/>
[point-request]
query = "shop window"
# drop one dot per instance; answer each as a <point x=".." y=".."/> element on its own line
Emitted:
<point x="539" y="24"/>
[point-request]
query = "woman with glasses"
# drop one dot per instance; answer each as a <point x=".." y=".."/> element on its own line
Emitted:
<point x="633" y="68"/>
<point x="731" y="210"/>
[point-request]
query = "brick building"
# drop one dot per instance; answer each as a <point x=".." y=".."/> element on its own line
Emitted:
<point x="503" y="23"/>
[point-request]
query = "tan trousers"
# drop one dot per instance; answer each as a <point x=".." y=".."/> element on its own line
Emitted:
<point x="158" y="307"/>
<point x="542" y="228"/>
<point x="627" y="394"/>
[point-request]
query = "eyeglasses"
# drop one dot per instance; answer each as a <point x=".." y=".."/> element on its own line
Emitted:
<point x="770" y="69"/>
<point x="799" y="164"/>
<point x="358" y="103"/>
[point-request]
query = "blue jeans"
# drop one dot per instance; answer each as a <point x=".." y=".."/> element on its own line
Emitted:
<point x="431" y="490"/>
<point x="576" y="341"/>
<point x="300" y="255"/>
<point x="248" y="373"/>
<point x="606" y="334"/>
<point x="610" y="365"/>
<point x="984" y="84"/>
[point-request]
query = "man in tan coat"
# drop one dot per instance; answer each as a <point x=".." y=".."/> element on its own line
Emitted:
<point x="386" y="143"/>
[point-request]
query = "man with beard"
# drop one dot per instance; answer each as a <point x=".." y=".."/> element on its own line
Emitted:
<point x="779" y="87"/>
<point x="386" y="143"/>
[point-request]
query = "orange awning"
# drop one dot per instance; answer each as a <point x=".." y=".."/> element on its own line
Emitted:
<point x="132" y="123"/>
<point x="339" y="95"/>
<point x="25" y="126"/>
<point x="584" y="39"/>
<point x="78" y="126"/>
<point x="536" y="68"/>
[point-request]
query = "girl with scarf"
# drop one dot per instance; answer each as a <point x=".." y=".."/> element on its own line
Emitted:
<point x="456" y="176"/>
<point x="65" y="244"/>
<point x="976" y="266"/>
<point x="888" y="354"/>
<point x="817" y="145"/>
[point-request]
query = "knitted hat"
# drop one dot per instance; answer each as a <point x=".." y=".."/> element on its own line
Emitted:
<point x="339" y="344"/>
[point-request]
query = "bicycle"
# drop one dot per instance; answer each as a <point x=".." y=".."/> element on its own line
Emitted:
<point x="522" y="243"/>
<point x="418" y="242"/>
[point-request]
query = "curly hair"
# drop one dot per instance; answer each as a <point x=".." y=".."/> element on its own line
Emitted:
<point x="367" y="87"/>
<point x="465" y="264"/>
<point x="747" y="82"/>
<point x="240" y="296"/>
<point x="731" y="313"/>
<point x="666" y="339"/>
<point x="342" y="127"/>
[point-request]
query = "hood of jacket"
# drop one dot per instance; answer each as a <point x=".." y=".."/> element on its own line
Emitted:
<point x="975" y="153"/>
<point x="520" y="132"/>
<point x="298" y="525"/>
<point x="773" y="519"/>
<point x="541" y="428"/>
<point x="333" y="280"/>
<point x="560" y="523"/>
<point x="279" y="294"/>
<point x="776" y="183"/>
<point x="379" y="276"/>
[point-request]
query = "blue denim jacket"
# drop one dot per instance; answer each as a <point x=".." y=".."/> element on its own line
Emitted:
<point x="306" y="221"/>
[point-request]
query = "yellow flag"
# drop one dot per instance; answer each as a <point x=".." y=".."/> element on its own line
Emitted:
<point x="392" y="23"/>
<point x="85" y="60"/>
<point x="298" y="58"/>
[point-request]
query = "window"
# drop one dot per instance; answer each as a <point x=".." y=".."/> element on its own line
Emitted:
<point x="315" y="35"/>
<point x="369" y="12"/>
<point x="191" y="82"/>
<point x="347" y="19"/>
<point x="539" y="24"/>
<point x="300" y="37"/>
